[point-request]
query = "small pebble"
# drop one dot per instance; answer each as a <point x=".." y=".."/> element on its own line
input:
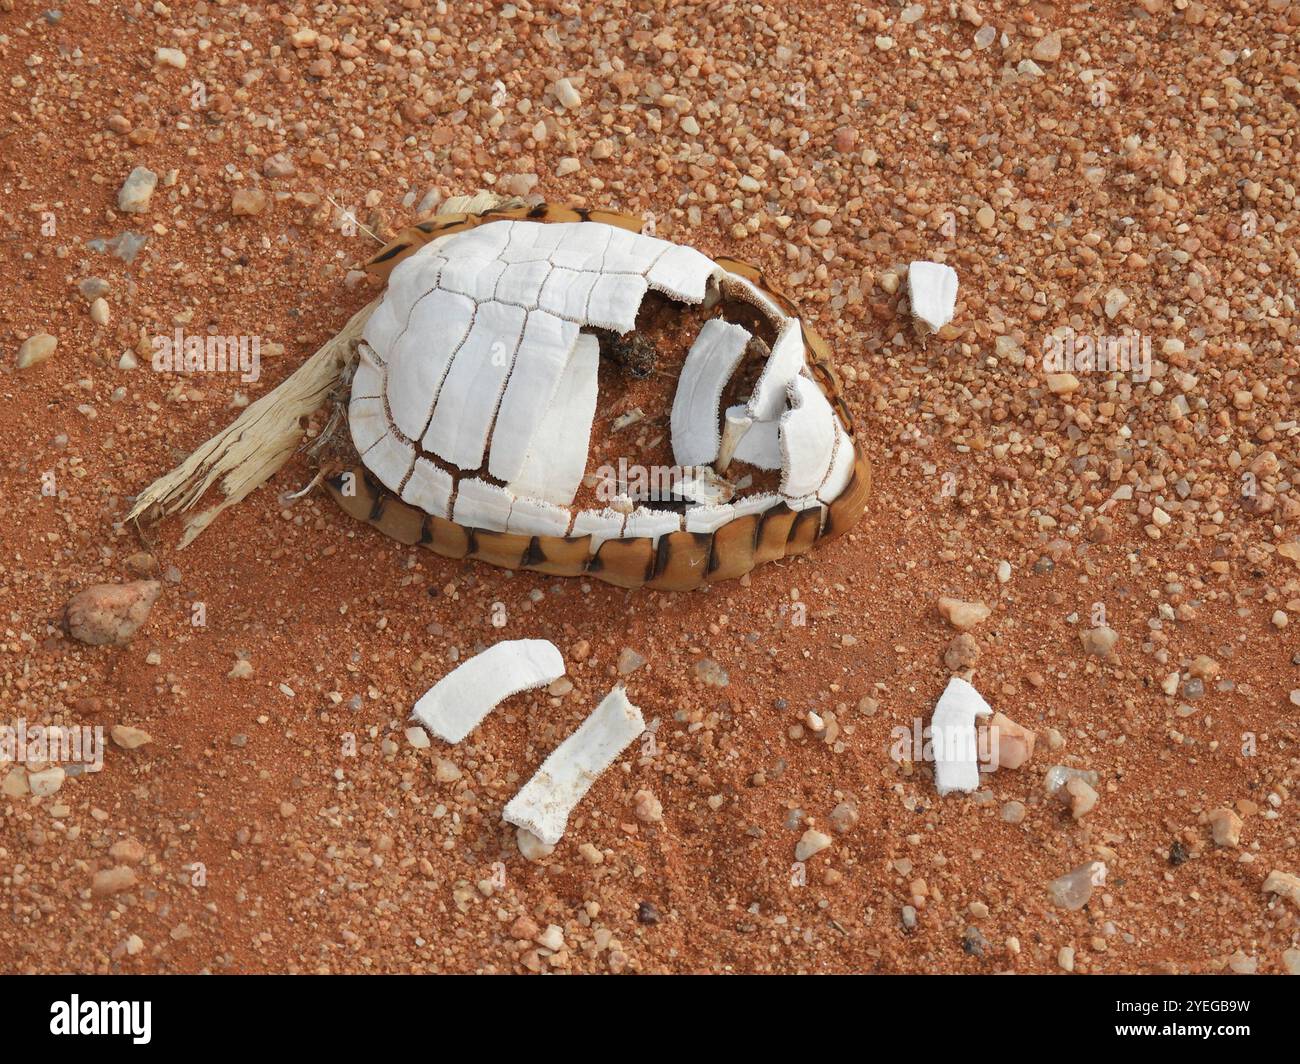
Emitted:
<point x="137" y="191"/>
<point x="36" y="349"/>
<point x="810" y="843"/>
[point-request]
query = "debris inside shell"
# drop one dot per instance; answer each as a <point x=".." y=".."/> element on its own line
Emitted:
<point x="476" y="392"/>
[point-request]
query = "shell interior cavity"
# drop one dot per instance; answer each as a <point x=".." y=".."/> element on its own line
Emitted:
<point x="476" y="391"/>
<point x="457" y="703"/>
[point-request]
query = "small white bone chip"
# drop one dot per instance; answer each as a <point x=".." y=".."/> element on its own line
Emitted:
<point x="953" y="739"/>
<point x="736" y="425"/>
<point x="545" y="802"/>
<point x="455" y="705"/>
<point x="747" y="440"/>
<point x="932" y="290"/>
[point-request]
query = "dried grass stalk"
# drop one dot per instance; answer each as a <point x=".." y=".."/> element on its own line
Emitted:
<point x="245" y="454"/>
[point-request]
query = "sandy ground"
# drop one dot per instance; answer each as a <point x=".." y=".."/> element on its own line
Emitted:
<point x="1115" y="168"/>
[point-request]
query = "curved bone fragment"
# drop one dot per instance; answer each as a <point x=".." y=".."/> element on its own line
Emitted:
<point x="841" y="471"/>
<point x="709" y="364"/>
<point x="535" y="517"/>
<point x="708" y="518"/>
<point x="807" y="433"/>
<point x="614" y="301"/>
<point x="736" y="424"/>
<point x="544" y="803"/>
<point x="932" y="291"/>
<point x="701" y="486"/>
<point x="455" y="705"/>
<point x="780" y="370"/>
<point x="429" y="488"/>
<point x="953" y="739"/>
<point x="461" y="418"/>
<point x="755" y="504"/>
<point x="417" y="362"/>
<point x="389" y="458"/>
<point x="651" y="523"/>
<point x="683" y="273"/>
<point x="367" y="421"/>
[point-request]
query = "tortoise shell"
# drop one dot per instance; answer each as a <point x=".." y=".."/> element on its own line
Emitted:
<point x="473" y="400"/>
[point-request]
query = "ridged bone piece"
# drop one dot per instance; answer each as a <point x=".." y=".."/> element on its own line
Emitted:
<point x="545" y="802"/>
<point x="457" y="703"/>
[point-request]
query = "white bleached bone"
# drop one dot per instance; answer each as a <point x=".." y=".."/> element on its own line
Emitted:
<point x="389" y="458"/>
<point x="953" y="738"/>
<point x="637" y="260"/>
<point x="807" y="439"/>
<point x="455" y="705"/>
<point x="622" y="242"/>
<point x="683" y="273"/>
<point x="735" y="426"/>
<point x="467" y="403"/>
<point x="695" y="485"/>
<point x="473" y="278"/>
<point x="566" y="293"/>
<point x="781" y="368"/>
<point x="600" y="525"/>
<point x="545" y="802"/>
<point x="614" y="301"/>
<point x="368" y="376"/>
<point x="755" y="504"/>
<point x="582" y="238"/>
<point x="368" y="422"/>
<point x="651" y="523"/>
<point x="482" y="505"/>
<point x="521" y="245"/>
<point x="932" y="291"/>
<point x="534" y="517"/>
<point x="411" y="278"/>
<point x="418" y="360"/>
<point x="483" y="241"/>
<point x="544" y="353"/>
<point x="841" y="471"/>
<point x="521" y="282"/>
<point x="755" y="442"/>
<point x="701" y="487"/>
<point x="709" y="364"/>
<point x="475" y="356"/>
<point x="429" y="488"/>
<point x="708" y="518"/>
<point x="558" y="455"/>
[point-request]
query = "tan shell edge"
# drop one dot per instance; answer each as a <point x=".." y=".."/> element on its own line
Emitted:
<point x="680" y="561"/>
